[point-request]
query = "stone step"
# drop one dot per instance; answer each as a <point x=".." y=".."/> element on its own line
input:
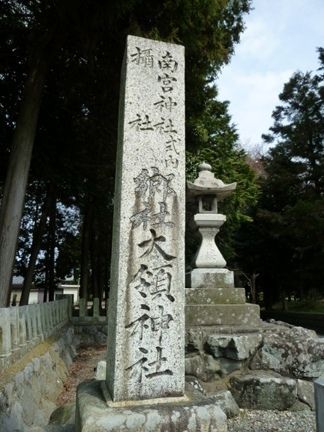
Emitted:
<point x="225" y="314"/>
<point x="213" y="296"/>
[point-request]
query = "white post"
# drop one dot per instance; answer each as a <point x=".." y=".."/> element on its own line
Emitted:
<point x="5" y="332"/>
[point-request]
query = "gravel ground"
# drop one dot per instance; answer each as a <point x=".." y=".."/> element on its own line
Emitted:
<point x="248" y="420"/>
<point x="273" y="421"/>
<point x="81" y="369"/>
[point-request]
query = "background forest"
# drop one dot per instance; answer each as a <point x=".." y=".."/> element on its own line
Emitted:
<point x="59" y="80"/>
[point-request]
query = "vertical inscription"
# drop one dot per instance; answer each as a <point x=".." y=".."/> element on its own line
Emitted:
<point x="165" y="103"/>
<point x="154" y="192"/>
<point x="149" y="360"/>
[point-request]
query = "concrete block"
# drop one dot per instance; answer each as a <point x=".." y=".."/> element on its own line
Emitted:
<point x="82" y="307"/>
<point x="14" y="324"/>
<point x="319" y="403"/>
<point x="101" y="370"/>
<point x="22" y="326"/>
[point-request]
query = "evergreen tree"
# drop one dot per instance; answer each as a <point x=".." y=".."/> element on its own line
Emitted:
<point x="286" y="243"/>
<point x="77" y="68"/>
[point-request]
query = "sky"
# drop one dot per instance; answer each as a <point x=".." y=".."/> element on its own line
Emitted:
<point x="281" y="37"/>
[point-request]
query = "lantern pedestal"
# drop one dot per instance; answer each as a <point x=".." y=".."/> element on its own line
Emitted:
<point x="209" y="256"/>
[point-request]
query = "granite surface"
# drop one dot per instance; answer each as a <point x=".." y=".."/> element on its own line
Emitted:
<point x="146" y="305"/>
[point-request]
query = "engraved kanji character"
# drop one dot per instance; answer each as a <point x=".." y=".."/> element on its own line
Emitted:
<point x="143" y="57"/>
<point x="157" y="365"/>
<point x="159" y="218"/>
<point x="161" y="284"/>
<point x="138" y="368"/>
<point x="142" y="281"/>
<point x="141" y="124"/>
<point x="171" y="144"/>
<point x="158" y="181"/>
<point x="142" y="182"/>
<point x="152" y="244"/>
<point x="162" y="321"/>
<point x="165" y="126"/>
<point x="166" y="103"/>
<point x="169" y="127"/>
<point x="142" y="217"/>
<point x="166" y="81"/>
<point x="171" y="161"/>
<point x="138" y="326"/>
<point x="168" y="63"/>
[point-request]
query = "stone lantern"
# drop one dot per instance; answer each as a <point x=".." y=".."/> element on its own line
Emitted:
<point x="211" y="298"/>
<point x="209" y="191"/>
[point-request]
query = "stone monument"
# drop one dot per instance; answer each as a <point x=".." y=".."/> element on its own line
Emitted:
<point x="145" y="379"/>
<point x="146" y="304"/>
<point x="212" y="299"/>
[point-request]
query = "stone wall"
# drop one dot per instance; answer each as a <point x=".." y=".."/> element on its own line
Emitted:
<point x="23" y="327"/>
<point x="29" y="388"/>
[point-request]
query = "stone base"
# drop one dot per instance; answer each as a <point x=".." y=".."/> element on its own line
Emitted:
<point x="195" y="414"/>
<point x="209" y="296"/>
<point x="212" y="278"/>
<point x="222" y="315"/>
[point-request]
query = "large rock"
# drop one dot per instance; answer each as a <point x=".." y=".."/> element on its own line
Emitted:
<point x="224" y="399"/>
<point x="236" y="347"/>
<point x="203" y="367"/>
<point x="291" y="351"/>
<point x="63" y="415"/>
<point x="263" y="391"/>
<point x="211" y="355"/>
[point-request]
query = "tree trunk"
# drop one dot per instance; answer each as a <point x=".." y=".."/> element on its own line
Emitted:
<point x="36" y="244"/>
<point x="253" y="288"/>
<point x="16" y="180"/>
<point x="85" y="251"/>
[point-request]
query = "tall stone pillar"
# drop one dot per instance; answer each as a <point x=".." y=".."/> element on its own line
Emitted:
<point x="146" y="304"/>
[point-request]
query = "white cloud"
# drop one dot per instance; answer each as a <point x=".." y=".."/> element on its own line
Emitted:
<point x="259" y="41"/>
<point x="255" y="96"/>
<point x="281" y="37"/>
